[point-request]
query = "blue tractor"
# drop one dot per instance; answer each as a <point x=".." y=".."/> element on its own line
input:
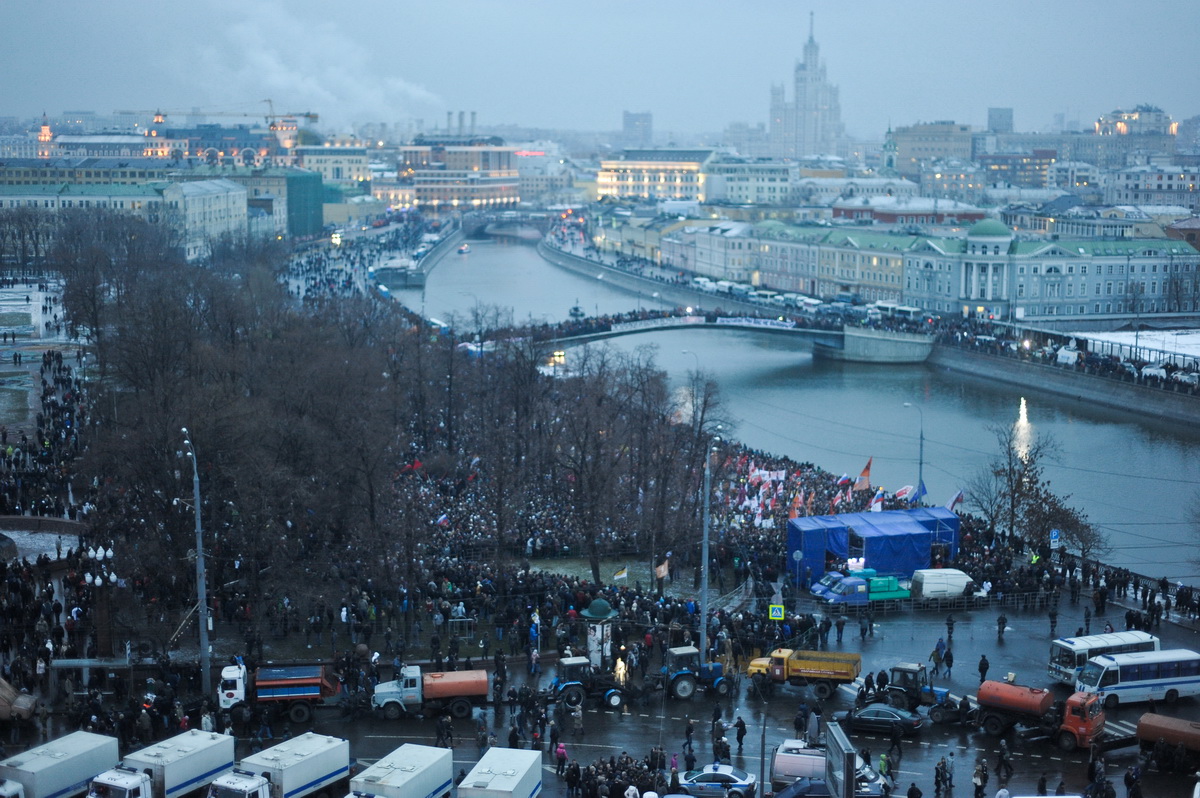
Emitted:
<point x="683" y="673"/>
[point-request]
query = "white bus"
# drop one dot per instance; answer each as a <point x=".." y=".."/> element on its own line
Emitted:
<point x="1068" y="655"/>
<point x="1130" y="678"/>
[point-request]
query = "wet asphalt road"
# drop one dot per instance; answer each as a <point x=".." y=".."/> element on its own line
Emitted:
<point x="897" y="638"/>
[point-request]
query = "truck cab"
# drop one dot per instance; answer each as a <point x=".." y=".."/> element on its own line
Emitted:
<point x="407" y="691"/>
<point x="121" y="782"/>
<point x="233" y="686"/>
<point x="240" y="784"/>
<point x="1083" y="720"/>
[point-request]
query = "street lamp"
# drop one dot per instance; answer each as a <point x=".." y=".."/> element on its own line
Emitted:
<point x="708" y="452"/>
<point x="201" y="591"/>
<point x="921" y="449"/>
<point x="101" y="581"/>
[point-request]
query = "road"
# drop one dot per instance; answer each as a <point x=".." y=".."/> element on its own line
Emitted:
<point x="907" y="637"/>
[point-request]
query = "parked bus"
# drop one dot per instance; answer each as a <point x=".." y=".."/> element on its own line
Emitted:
<point x="908" y="312"/>
<point x="1132" y="678"/>
<point x="1068" y="655"/>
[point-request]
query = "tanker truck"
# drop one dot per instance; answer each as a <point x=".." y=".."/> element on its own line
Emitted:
<point x="1077" y="722"/>
<point x="430" y="693"/>
<point x="1179" y="749"/>
<point x="181" y="766"/>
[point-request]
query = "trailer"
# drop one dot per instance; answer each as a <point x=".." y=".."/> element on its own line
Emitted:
<point x="305" y="765"/>
<point x="181" y="766"/>
<point x="411" y="771"/>
<point x="504" y="773"/>
<point x="60" y="768"/>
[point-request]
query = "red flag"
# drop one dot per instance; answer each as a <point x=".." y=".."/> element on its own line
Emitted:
<point x="864" y="479"/>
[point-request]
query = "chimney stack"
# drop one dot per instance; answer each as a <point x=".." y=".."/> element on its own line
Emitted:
<point x="449" y="122"/>
<point x="461" y="116"/>
<point x="472" y="123"/>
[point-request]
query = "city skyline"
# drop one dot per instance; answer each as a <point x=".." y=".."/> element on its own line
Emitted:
<point x="696" y="67"/>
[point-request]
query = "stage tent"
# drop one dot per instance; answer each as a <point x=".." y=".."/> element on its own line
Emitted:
<point x="893" y="541"/>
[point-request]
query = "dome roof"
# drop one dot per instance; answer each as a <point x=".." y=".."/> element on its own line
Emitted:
<point x="599" y="610"/>
<point x="991" y="228"/>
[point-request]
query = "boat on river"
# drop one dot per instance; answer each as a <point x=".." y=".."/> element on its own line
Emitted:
<point x="464" y="249"/>
<point x="576" y="311"/>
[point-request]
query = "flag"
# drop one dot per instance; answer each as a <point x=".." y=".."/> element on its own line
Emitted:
<point x="808" y="507"/>
<point x="877" y="502"/>
<point x="864" y="479"/>
<point x="920" y="493"/>
<point x="443" y="520"/>
<point x="622" y="573"/>
<point x="954" y="501"/>
<point x="797" y="500"/>
<point x="664" y="570"/>
<point x="903" y="493"/>
<point x="837" y="499"/>
<point x="844" y="480"/>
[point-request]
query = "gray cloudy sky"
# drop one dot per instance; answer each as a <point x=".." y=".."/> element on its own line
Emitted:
<point x="696" y="64"/>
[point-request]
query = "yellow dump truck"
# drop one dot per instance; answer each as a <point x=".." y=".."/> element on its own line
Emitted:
<point x="822" y="670"/>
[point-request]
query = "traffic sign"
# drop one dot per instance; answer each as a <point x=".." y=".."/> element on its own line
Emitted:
<point x="775" y="612"/>
<point x="797" y="555"/>
<point x="1054" y="536"/>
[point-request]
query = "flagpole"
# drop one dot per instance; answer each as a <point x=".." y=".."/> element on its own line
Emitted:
<point x="704" y="557"/>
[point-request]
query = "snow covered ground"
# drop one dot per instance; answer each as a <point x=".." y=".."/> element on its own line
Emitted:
<point x="1185" y="342"/>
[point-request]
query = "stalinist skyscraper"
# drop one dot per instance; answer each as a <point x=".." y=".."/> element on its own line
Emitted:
<point x="812" y="123"/>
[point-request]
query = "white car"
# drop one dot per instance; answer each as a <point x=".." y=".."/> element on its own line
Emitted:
<point x="1154" y="371"/>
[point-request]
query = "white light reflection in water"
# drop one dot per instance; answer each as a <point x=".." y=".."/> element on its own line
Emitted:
<point x="1023" y="431"/>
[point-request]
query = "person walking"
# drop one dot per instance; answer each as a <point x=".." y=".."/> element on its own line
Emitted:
<point x="950" y="628"/>
<point x="841" y="626"/>
<point x="914" y="791"/>
<point x="897" y="739"/>
<point x="1004" y="762"/>
<point x="948" y="662"/>
<point x="983" y="668"/>
<point x="935" y="657"/>
<point x="740" y="726"/>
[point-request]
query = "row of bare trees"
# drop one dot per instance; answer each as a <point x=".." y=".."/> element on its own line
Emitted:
<point x="308" y="416"/>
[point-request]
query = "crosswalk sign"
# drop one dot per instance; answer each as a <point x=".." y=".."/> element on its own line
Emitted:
<point x="775" y="612"/>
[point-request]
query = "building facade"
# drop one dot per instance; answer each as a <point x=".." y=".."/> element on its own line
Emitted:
<point x="1155" y="185"/>
<point x="929" y="142"/>
<point x="451" y="172"/>
<point x="655" y="174"/>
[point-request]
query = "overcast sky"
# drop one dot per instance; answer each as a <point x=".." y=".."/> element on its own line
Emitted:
<point x="696" y="64"/>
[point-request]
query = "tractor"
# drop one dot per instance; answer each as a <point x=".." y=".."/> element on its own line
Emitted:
<point x="909" y="688"/>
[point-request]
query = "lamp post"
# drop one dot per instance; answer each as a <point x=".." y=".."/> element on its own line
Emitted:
<point x="921" y="447"/>
<point x="101" y="581"/>
<point x="201" y="590"/>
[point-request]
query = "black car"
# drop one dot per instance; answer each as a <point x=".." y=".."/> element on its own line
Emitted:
<point x="880" y="719"/>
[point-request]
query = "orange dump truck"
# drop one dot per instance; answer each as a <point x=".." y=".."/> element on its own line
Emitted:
<point x="1173" y="732"/>
<point x="430" y="693"/>
<point x="1075" y="723"/>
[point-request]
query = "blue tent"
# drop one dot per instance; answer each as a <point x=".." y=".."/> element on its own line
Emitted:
<point x="892" y="542"/>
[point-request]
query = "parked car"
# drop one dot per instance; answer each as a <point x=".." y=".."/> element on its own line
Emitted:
<point x="718" y="781"/>
<point x="817" y="788"/>
<point x="880" y="719"/>
<point x="1158" y="371"/>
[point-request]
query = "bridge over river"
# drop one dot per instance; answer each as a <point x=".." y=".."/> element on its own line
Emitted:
<point x="854" y="344"/>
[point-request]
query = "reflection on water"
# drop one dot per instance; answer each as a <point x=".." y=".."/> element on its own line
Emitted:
<point x="1023" y="431"/>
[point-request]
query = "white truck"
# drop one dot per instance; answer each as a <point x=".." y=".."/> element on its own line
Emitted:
<point x="411" y="771"/>
<point x="504" y="773"/>
<point x="60" y="768"/>
<point x="304" y="765"/>
<point x="181" y="766"/>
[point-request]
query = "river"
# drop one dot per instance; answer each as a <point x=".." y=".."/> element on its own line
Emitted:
<point x="1135" y="479"/>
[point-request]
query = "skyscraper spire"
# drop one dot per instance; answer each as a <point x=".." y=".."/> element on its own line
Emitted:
<point x="810" y="25"/>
